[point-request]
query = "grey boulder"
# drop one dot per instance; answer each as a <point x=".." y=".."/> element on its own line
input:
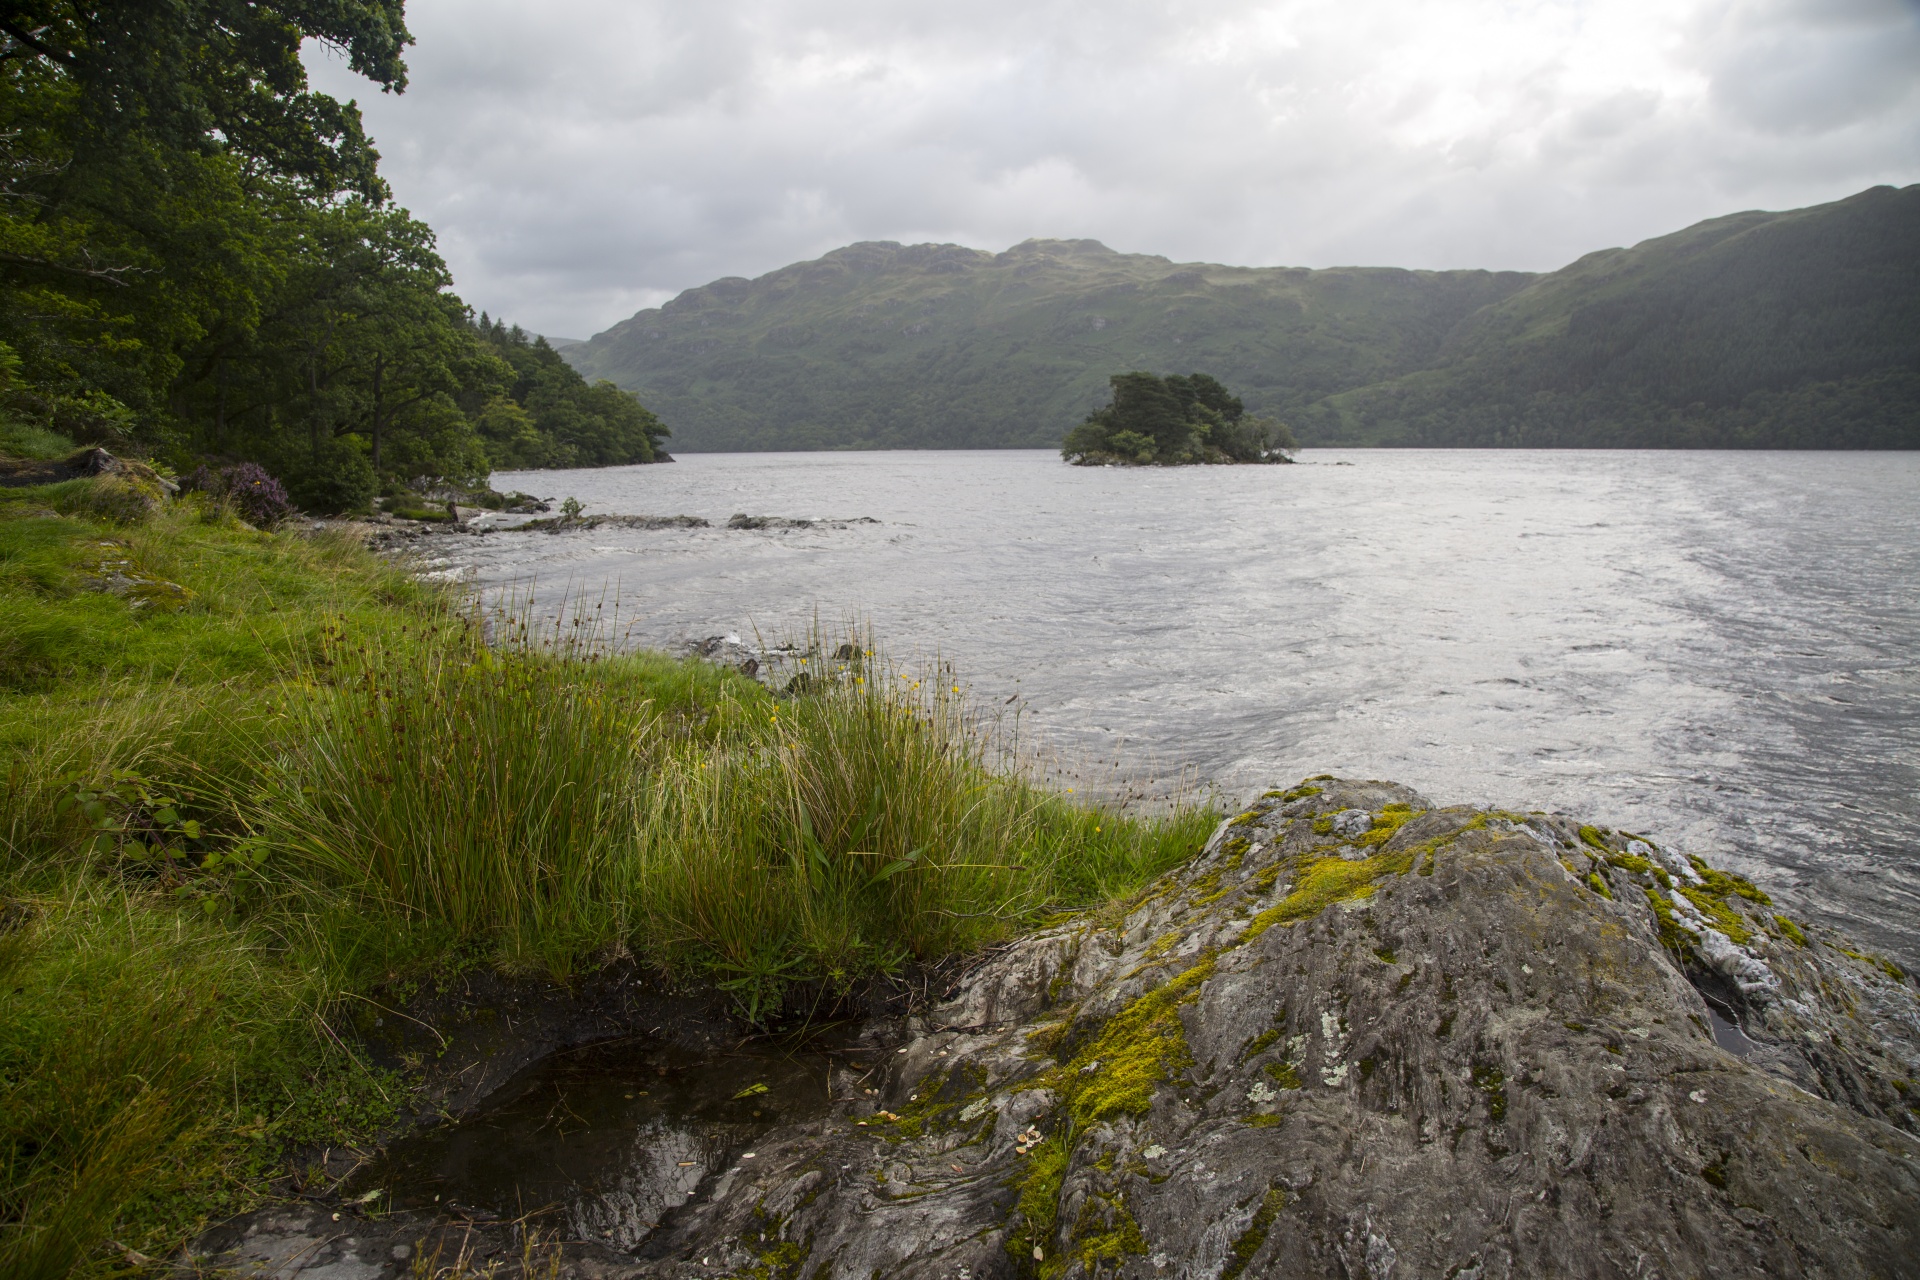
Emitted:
<point x="1444" y="1042"/>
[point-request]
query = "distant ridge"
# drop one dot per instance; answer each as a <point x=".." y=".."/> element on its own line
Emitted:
<point x="1797" y="329"/>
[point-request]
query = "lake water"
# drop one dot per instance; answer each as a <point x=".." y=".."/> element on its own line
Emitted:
<point x="1720" y="650"/>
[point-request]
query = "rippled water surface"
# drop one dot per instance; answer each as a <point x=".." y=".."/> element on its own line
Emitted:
<point x="1720" y="650"/>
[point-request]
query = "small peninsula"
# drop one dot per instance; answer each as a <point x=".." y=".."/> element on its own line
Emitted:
<point x="1178" y="420"/>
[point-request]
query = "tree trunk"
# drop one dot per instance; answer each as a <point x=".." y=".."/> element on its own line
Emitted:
<point x="379" y="367"/>
<point x="220" y="406"/>
<point x="313" y="407"/>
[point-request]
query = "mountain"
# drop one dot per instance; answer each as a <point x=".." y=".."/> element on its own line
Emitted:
<point x="881" y="345"/>
<point x="1797" y="329"/>
<point x="1783" y="330"/>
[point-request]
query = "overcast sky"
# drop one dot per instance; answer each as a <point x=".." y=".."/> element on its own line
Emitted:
<point x="582" y="159"/>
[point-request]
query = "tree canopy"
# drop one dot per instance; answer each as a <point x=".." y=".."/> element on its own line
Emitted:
<point x="1181" y="418"/>
<point x="199" y="259"/>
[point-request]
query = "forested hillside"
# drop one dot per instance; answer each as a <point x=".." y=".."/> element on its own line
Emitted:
<point x="1781" y="330"/>
<point x="881" y="345"/>
<point x="545" y="414"/>
<point x="1797" y="329"/>
<point x="200" y="261"/>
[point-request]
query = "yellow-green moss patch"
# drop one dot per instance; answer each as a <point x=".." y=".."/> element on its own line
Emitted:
<point x="1879" y="962"/>
<point x="1135" y="1050"/>
<point x="1718" y="913"/>
<point x="1105" y="1232"/>
<point x="1039" y="1204"/>
<point x="1672" y="936"/>
<point x="1258" y="1044"/>
<point x="1256" y="1233"/>
<point x="1323" y="882"/>
<point x="1388" y="822"/>
<point x="1286" y="1075"/>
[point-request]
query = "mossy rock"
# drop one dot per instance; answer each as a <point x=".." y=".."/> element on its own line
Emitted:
<point x="1327" y="1054"/>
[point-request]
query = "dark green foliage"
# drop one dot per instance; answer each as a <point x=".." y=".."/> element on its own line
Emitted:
<point x="198" y="260"/>
<point x="1183" y="418"/>
<point x="551" y="417"/>
<point x="336" y="477"/>
<point x="180" y="73"/>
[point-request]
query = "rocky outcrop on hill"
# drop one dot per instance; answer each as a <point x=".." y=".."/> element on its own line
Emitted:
<point x="1359" y="1036"/>
<point x="1364" y="1036"/>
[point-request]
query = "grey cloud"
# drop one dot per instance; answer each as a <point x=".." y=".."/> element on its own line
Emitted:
<point x="584" y="158"/>
<point x="1813" y="66"/>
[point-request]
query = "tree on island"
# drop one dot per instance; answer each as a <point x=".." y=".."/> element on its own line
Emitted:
<point x="1173" y="421"/>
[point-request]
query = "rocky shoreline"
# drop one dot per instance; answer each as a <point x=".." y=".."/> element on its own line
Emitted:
<point x="386" y="532"/>
<point x="1360" y="1035"/>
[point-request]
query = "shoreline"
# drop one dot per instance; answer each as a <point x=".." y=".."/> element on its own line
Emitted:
<point x="199" y="847"/>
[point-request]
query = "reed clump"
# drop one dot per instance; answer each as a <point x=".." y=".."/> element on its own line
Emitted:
<point x="310" y="775"/>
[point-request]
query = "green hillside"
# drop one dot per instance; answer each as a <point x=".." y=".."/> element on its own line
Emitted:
<point x="1797" y="329"/>
<point x="881" y="345"/>
<point x="1783" y="330"/>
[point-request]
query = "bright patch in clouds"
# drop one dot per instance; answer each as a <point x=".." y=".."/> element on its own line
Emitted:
<point x="584" y="158"/>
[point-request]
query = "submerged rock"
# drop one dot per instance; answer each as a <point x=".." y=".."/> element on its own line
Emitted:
<point x="741" y="520"/>
<point x="576" y="524"/>
<point x="1361" y="1036"/>
<point x="1451" y="1042"/>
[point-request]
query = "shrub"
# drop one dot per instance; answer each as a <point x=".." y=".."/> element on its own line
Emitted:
<point x="336" y="478"/>
<point x="257" y="496"/>
<point x="203" y="479"/>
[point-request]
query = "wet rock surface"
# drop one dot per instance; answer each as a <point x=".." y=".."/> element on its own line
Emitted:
<point x="741" y="520"/>
<point x="1442" y="1042"/>
<point x="573" y="524"/>
<point x="605" y="1141"/>
<point x="466" y="1038"/>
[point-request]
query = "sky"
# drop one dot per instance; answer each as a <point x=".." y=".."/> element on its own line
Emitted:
<point x="584" y="159"/>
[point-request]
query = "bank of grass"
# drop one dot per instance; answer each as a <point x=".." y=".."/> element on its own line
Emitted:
<point x="274" y="771"/>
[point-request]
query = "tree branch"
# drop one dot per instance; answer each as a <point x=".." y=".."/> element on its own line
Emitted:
<point x="30" y="42"/>
<point x="109" y="274"/>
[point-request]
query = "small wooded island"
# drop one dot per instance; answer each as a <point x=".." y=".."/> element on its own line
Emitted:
<point x="1177" y="420"/>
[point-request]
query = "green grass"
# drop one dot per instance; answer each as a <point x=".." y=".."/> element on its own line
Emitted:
<point x="296" y="774"/>
<point x="24" y="440"/>
<point x="154" y="1063"/>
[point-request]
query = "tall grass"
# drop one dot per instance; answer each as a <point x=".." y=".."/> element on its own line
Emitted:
<point x="560" y="801"/>
<point x="857" y="826"/>
<point x="491" y="789"/>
